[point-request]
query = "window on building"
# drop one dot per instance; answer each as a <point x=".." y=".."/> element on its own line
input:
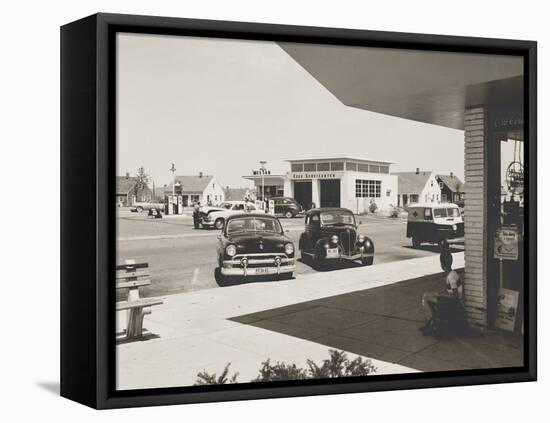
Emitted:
<point x="351" y="166"/>
<point x="367" y="188"/>
<point x="388" y="192"/>
<point x="414" y="198"/>
<point x="195" y="198"/>
<point x="363" y="167"/>
<point x="337" y="166"/>
<point x="432" y="183"/>
<point x="297" y="167"/>
<point x="374" y="168"/>
<point x="441" y="185"/>
<point x="444" y="198"/>
<point x="384" y="169"/>
<point x="322" y="167"/>
<point x="310" y="167"/>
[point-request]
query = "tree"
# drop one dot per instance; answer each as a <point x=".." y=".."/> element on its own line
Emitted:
<point x="142" y="179"/>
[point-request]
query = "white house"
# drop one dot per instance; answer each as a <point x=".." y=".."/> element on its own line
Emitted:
<point x="203" y="188"/>
<point x="419" y="186"/>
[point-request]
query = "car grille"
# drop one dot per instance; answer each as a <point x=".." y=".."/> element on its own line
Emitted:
<point x="260" y="260"/>
<point x="346" y="240"/>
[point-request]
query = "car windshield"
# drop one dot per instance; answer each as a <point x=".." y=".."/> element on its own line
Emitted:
<point x="337" y="217"/>
<point x="225" y="205"/>
<point x="253" y="224"/>
<point x="448" y="212"/>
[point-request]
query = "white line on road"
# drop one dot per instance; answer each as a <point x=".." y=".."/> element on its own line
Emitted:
<point x="195" y="276"/>
<point x="177" y="236"/>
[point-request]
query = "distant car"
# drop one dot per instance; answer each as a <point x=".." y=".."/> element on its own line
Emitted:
<point x="433" y="222"/>
<point x="145" y="205"/>
<point x="215" y="217"/>
<point x="287" y="207"/>
<point x="154" y="213"/>
<point x="254" y="244"/>
<point x="331" y="235"/>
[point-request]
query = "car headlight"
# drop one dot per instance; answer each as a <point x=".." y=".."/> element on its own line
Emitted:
<point x="367" y="243"/>
<point x="289" y="248"/>
<point x="454" y="227"/>
<point x="230" y="250"/>
<point x="361" y="238"/>
<point x="334" y="239"/>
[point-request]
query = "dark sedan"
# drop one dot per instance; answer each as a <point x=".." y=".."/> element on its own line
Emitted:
<point x="331" y="234"/>
<point x="254" y="244"/>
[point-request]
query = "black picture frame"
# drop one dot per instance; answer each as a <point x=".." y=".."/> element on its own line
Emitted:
<point x="88" y="250"/>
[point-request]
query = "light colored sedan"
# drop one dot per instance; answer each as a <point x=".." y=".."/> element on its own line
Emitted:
<point x="214" y="217"/>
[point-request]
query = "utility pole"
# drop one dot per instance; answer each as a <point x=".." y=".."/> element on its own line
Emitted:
<point x="262" y="170"/>
<point x="173" y="170"/>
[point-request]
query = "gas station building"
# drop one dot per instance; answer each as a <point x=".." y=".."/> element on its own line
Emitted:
<point x="341" y="181"/>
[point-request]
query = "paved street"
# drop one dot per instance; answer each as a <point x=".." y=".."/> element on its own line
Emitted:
<point x="182" y="259"/>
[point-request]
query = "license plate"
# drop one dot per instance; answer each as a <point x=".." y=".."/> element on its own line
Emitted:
<point x="261" y="270"/>
<point x="332" y="252"/>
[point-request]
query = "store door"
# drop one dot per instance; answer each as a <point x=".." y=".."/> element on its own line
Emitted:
<point x="330" y="192"/>
<point x="302" y="193"/>
<point x="505" y="244"/>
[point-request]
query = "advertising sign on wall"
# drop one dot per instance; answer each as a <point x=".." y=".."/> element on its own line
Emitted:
<point x="507" y="309"/>
<point x="506" y="243"/>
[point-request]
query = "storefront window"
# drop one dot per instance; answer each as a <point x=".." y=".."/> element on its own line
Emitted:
<point x="297" y="167"/>
<point x="337" y="166"/>
<point x="310" y="167"/>
<point x="367" y="189"/>
<point x="362" y="167"/>
<point x="351" y="166"/>
<point x="323" y="167"/>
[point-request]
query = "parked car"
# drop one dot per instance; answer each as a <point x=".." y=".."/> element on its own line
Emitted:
<point x="215" y="217"/>
<point x="254" y="244"/>
<point x="287" y="207"/>
<point x="432" y="222"/>
<point x="146" y="205"/>
<point x="330" y="235"/>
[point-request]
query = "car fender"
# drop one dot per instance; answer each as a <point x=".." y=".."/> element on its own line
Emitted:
<point x="371" y="248"/>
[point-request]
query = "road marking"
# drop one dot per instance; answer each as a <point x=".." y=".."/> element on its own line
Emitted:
<point x="177" y="236"/>
<point x="195" y="276"/>
<point x="166" y="236"/>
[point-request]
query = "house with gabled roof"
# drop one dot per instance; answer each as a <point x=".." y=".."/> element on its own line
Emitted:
<point x="127" y="191"/>
<point x="418" y="186"/>
<point x="452" y="188"/>
<point x="197" y="188"/>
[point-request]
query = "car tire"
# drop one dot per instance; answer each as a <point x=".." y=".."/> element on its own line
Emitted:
<point x="139" y="209"/>
<point x="367" y="261"/>
<point x="416" y="243"/>
<point x="218" y="276"/>
<point x="289" y="214"/>
<point x="218" y="224"/>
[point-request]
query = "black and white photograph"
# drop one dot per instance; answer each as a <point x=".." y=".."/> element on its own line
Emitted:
<point x="289" y="211"/>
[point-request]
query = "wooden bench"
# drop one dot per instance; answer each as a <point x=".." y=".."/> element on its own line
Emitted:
<point x="131" y="276"/>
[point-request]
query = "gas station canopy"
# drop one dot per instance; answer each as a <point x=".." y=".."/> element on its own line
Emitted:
<point x="426" y="86"/>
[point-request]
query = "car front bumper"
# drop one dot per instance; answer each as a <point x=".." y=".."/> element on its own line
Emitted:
<point x="257" y="267"/>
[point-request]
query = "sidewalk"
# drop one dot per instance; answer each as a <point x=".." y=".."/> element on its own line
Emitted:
<point x="207" y="329"/>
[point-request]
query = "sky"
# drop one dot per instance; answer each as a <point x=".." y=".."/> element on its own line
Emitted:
<point x="220" y="106"/>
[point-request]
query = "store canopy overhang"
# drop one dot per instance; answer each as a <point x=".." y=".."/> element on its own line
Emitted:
<point x="426" y="86"/>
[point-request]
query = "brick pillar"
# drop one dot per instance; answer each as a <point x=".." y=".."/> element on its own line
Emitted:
<point x="475" y="285"/>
